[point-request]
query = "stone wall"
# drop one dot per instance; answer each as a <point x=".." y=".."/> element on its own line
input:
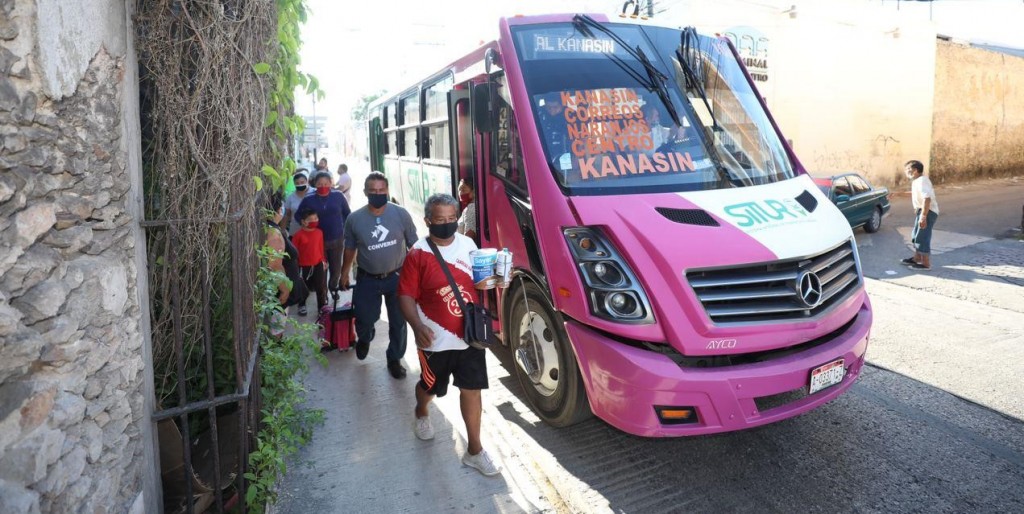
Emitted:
<point x="75" y="434"/>
<point x="978" y="126"/>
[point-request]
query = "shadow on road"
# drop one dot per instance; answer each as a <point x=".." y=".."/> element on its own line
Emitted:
<point x="891" y="444"/>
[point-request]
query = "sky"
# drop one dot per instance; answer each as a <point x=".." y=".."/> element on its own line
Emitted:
<point x="356" y="49"/>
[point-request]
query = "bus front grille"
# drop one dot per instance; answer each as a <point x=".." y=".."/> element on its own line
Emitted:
<point x="790" y="290"/>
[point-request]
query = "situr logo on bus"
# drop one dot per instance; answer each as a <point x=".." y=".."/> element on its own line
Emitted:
<point x="765" y="211"/>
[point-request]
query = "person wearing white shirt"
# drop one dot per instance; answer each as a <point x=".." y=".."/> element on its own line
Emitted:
<point x="926" y="213"/>
<point x="343" y="182"/>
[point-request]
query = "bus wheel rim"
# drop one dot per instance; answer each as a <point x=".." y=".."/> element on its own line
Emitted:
<point x="537" y="334"/>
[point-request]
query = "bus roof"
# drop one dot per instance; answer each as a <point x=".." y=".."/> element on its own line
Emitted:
<point x="475" y="58"/>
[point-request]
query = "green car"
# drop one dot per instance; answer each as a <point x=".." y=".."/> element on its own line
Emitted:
<point x="862" y="204"/>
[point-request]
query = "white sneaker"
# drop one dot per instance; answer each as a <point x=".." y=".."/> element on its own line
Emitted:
<point x="482" y="462"/>
<point x="423" y="428"/>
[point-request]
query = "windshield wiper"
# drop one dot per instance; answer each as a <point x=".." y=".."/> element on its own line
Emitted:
<point x="694" y="81"/>
<point x="655" y="80"/>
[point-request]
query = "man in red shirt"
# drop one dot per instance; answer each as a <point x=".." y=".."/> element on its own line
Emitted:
<point x="432" y="310"/>
<point x="309" y="240"/>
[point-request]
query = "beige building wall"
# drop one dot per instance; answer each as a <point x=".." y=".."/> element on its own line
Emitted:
<point x="852" y="92"/>
<point x="978" y="128"/>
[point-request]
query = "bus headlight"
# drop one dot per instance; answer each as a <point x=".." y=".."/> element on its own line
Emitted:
<point x="613" y="290"/>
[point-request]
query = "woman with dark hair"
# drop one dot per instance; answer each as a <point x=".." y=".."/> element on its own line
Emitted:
<point x="331" y="208"/>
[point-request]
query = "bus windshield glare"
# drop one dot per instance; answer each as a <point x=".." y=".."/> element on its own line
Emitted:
<point x="606" y="130"/>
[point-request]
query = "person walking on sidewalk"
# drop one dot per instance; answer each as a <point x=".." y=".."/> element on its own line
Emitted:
<point x="309" y="240"/>
<point x="427" y="300"/>
<point x="331" y="210"/>
<point x="926" y="213"/>
<point x="344" y="182"/>
<point x="378" y="236"/>
<point x="292" y="201"/>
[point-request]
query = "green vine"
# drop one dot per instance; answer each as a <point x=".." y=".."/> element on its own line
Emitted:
<point x="281" y="120"/>
<point x="285" y="425"/>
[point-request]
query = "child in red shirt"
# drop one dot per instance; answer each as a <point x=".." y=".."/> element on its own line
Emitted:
<point x="309" y="240"/>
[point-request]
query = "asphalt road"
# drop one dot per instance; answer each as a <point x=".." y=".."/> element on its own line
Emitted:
<point x="934" y="424"/>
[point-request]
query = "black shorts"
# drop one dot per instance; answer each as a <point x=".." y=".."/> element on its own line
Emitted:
<point x="469" y="367"/>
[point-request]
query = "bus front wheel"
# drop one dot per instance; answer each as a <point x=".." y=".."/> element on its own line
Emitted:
<point x="544" y="361"/>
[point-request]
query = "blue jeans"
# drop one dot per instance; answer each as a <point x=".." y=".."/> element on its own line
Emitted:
<point x="366" y="303"/>
<point x="922" y="237"/>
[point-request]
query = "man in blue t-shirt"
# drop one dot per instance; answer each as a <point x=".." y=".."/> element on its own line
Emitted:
<point x="332" y="209"/>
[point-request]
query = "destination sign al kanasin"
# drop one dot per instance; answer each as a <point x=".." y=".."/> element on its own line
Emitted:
<point x="543" y="43"/>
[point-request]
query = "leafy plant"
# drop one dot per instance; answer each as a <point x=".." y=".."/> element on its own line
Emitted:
<point x="285" y="424"/>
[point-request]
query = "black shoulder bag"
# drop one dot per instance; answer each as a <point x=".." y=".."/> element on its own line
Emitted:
<point x="476" y="320"/>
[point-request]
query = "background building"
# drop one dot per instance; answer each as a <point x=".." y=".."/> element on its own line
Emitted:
<point x="856" y="88"/>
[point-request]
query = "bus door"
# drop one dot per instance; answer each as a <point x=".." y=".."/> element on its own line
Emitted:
<point x="505" y="212"/>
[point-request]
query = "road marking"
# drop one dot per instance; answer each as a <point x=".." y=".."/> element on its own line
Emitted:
<point x="943" y="241"/>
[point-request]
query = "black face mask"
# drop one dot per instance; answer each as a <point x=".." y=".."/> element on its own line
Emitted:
<point x="377" y="200"/>
<point x="301" y="187"/>
<point x="444" y="230"/>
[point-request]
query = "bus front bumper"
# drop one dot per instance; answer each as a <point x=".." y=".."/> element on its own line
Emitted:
<point x="625" y="383"/>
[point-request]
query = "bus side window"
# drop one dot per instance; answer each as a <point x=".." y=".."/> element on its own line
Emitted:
<point x="508" y="162"/>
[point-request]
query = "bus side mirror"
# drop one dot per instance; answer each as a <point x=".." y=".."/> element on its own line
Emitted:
<point x="481" y="107"/>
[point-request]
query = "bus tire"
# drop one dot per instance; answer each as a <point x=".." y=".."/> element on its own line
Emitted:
<point x="537" y="339"/>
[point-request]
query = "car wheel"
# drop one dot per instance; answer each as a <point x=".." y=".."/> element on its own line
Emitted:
<point x="875" y="222"/>
<point x="544" y="361"/>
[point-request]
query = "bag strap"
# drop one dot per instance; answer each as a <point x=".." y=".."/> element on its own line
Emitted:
<point x="447" y="273"/>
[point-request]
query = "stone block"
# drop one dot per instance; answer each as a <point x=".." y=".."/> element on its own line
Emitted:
<point x="38" y="407"/>
<point x="19" y="351"/>
<point x="26" y="112"/>
<point x="70" y="240"/>
<point x="8" y="29"/>
<point x="15" y="143"/>
<point x="68" y="409"/>
<point x="70" y="377"/>
<point x="35" y="266"/>
<point x="60" y="353"/>
<point x="99" y="356"/>
<point x="92" y="438"/>
<point x="7" y="59"/>
<point x="13" y="396"/>
<point x="17" y="499"/>
<point x="93" y="390"/>
<point x="102" y="419"/>
<point x="75" y="204"/>
<point x="9" y="99"/>
<point x="9" y="318"/>
<point x="106" y="283"/>
<point x="6" y="191"/>
<point x="26" y="461"/>
<point x="43" y="301"/>
<point x="65" y="472"/>
<point x="57" y="331"/>
<point x="81" y="490"/>
<point x="33" y="222"/>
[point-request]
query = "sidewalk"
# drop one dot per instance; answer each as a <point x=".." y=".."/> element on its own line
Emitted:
<point x="365" y="458"/>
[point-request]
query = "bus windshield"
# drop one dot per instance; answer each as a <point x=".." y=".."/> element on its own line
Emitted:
<point x="618" y="113"/>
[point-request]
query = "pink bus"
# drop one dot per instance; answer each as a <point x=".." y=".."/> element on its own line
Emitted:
<point x="677" y="272"/>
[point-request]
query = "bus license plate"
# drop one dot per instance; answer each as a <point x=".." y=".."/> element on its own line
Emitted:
<point x="827" y="376"/>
